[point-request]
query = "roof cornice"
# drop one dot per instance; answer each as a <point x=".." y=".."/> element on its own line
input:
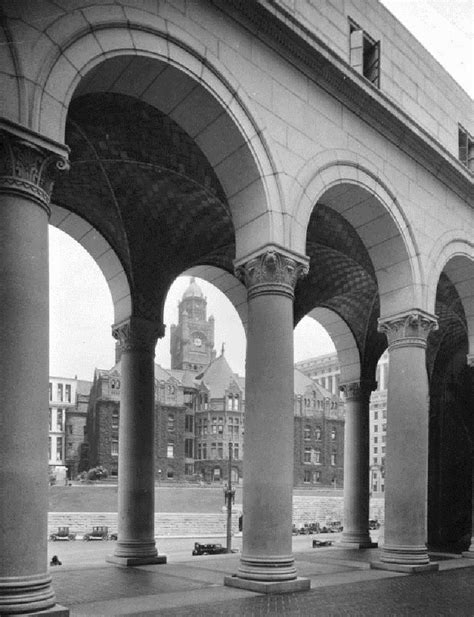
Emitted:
<point x="272" y="24"/>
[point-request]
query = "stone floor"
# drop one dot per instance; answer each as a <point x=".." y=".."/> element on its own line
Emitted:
<point x="342" y="584"/>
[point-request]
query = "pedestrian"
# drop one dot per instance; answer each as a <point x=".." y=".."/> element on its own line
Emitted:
<point x="55" y="561"/>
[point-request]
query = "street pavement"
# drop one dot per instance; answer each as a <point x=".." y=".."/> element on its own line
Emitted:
<point x="342" y="584"/>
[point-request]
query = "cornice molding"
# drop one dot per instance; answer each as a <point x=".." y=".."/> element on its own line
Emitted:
<point x="277" y="27"/>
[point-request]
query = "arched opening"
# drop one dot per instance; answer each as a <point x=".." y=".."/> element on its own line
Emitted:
<point x="451" y="403"/>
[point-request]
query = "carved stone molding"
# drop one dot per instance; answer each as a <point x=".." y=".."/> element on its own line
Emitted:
<point x="28" y="169"/>
<point x="358" y="390"/>
<point x="137" y="334"/>
<point x="410" y="329"/>
<point x="271" y="272"/>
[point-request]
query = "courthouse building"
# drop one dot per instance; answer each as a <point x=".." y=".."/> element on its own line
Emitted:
<point x="308" y="159"/>
<point x="200" y="414"/>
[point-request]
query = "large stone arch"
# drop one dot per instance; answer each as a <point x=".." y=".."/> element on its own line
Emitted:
<point x="349" y="184"/>
<point x="121" y="57"/>
<point x="103" y="254"/>
<point x="453" y="254"/>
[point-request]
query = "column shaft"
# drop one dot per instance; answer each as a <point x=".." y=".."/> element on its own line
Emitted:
<point x="25" y="583"/>
<point x="356" y="466"/>
<point x="136" y="468"/>
<point x="406" y="475"/>
<point x="267" y="558"/>
<point x="470" y="552"/>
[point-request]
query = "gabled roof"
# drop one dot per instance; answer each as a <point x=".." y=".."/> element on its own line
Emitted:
<point x="218" y="376"/>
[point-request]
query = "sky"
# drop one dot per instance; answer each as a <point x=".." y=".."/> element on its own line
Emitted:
<point x="80" y="329"/>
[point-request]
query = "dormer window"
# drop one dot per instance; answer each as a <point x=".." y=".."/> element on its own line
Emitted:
<point x="364" y="53"/>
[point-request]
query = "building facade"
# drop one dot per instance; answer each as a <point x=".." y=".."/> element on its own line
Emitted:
<point x="200" y="414"/>
<point x="68" y="402"/>
<point x="325" y="370"/>
<point x="309" y="159"/>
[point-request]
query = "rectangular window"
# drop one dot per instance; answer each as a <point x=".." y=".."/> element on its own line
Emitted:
<point x="307" y="433"/>
<point x="189" y="423"/>
<point x="466" y="148"/>
<point x="316" y="457"/>
<point x="50" y="452"/>
<point x="50" y="420"/>
<point x="376" y="415"/>
<point x="307" y="454"/>
<point x="170" y="450"/>
<point x="236" y="451"/>
<point x="60" y="392"/>
<point x="376" y="439"/>
<point x="68" y="392"/>
<point x="204" y="451"/>
<point x="189" y="448"/>
<point x="307" y="476"/>
<point x="333" y="458"/>
<point x="115" y="419"/>
<point x="316" y="477"/>
<point x="50" y="391"/>
<point x="59" y="449"/>
<point x="59" y="420"/>
<point x="213" y="451"/>
<point x="364" y="54"/>
<point x="220" y="450"/>
<point x="376" y="450"/>
<point x="171" y="426"/>
<point x="114" y="450"/>
<point x="376" y="428"/>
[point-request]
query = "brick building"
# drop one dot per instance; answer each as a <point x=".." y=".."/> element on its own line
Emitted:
<point x="198" y="413"/>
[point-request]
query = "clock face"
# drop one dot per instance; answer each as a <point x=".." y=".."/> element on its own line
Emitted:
<point x="197" y="342"/>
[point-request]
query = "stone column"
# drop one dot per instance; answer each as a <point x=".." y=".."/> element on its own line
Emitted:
<point x="136" y="462"/>
<point x="27" y="167"/>
<point x="356" y="465"/>
<point x="267" y="564"/>
<point x="470" y="552"/>
<point x="406" y="475"/>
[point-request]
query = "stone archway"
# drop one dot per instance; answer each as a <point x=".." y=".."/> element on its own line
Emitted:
<point x="451" y="446"/>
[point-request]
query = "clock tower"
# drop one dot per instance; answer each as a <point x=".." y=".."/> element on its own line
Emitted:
<point x="192" y="340"/>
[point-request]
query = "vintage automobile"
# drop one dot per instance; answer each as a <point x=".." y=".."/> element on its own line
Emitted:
<point x="208" y="549"/>
<point x="320" y="543"/>
<point x="62" y="534"/>
<point x="309" y="528"/>
<point x="332" y="527"/>
<point x="97" y="533"/>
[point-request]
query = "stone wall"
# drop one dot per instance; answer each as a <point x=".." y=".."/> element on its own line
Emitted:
<point x="306" y="509"/>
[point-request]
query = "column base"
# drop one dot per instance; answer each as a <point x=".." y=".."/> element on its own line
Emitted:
<point x="297" y="584"/>
<point x="56" y="611"/>
<point x="28" y="595"/>
<point x="406" y="568"/>
<point x="469" y="554"/>
<point x="364" y="544"/>
<point x="136" y="561"/>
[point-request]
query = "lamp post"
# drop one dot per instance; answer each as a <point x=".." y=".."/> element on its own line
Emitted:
<point x="229" y="496"/>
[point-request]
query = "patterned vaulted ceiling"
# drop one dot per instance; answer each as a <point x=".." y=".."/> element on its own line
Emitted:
<point x="141" y="180"/>
<point x="145" y="185"/>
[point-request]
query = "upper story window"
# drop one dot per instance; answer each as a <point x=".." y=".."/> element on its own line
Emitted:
<point x="60" y="392"/>
<point x="364" y="54"/>
<point x="466" y="148"/>
<point x="171" y="423"/>
<point x="50" y="391"/>
<point x="318" y="433"/>
<point x="115" y="419"/>
<point x="68" y="393"/>
<point x="307" y="432"/>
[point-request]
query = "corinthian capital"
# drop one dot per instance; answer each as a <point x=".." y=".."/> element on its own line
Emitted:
<point x="409" y="329"/>
<point x="272" y="272"/>
<point x="29" y="164"/>
<point x="138" y="334"/>
<point x="358" y="390"/>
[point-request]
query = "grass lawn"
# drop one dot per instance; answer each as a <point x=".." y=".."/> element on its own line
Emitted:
<point x="103" y="498"/>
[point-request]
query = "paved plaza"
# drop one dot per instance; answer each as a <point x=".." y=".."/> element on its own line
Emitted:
<point x="342" y="584"/>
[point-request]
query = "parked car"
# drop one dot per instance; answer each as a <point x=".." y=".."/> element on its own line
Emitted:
<point x="319" y="543"/>
<point x="62" y="534"/>
<point x="332" y="527"/>
<point x="97" y="533"/>
<point x="208" y="549"/>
